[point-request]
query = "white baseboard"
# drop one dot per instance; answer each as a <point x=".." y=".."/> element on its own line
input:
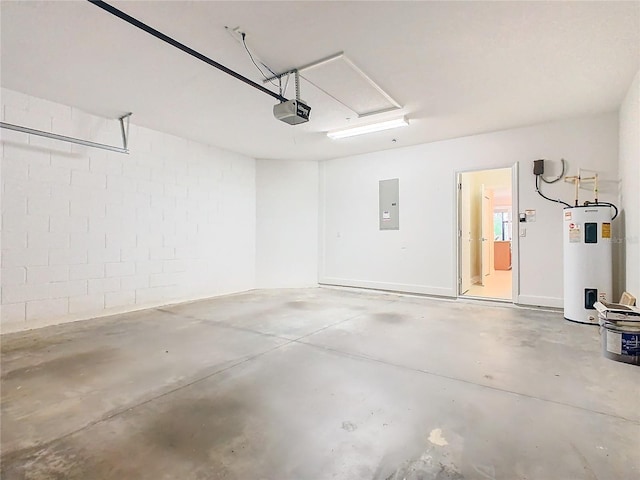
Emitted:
<point x="12" y="327"/>
<point x="540" y="301"/>
<point x="392" y="287"/>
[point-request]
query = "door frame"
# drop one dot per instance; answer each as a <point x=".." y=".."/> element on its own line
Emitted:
<point x="515" y="231"/>
<point x="486" y="233"/>
<point x="463" y="243"/>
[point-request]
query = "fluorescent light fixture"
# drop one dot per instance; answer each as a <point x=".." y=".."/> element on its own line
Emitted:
<point x="373" y="127"/>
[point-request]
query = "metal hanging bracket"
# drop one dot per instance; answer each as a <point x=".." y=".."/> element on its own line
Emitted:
<point x="63" y="138"/>
<point x="125" y="130"/>
<point x="296" y="77"/>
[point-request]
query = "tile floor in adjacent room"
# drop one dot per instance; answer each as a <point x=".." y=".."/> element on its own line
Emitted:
<point x="318" y="384"/>
<point x="497" y="285"/>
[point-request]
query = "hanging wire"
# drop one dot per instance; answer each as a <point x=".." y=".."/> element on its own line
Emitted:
<point x="286" y="83"/>
<point x="544" y="196"/>
<point x="557" y="179"/>
<point x="595" y="204"/>
<point x="244" y="42"/>
<point x="605" y="204"/>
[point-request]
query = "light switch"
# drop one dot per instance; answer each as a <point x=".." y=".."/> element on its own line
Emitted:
<point x="523" y="232"/>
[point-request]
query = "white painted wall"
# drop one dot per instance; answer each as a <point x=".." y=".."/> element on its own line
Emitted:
<point x="630" y="184"/>
<point x="87" y="232"/>
<point x="421" y="256"/>
<point x="286" y="224"/>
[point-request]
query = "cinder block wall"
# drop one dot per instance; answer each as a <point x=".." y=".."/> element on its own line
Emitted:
<point x="87" y="232"/>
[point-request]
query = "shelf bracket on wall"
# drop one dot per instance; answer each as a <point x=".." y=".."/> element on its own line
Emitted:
<point x="124" y="128"/>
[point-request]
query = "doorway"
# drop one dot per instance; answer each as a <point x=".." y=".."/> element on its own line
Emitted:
<point x="485" y="234"/>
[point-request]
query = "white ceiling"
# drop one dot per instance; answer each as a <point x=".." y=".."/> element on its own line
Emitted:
<point x="458" y="68"/>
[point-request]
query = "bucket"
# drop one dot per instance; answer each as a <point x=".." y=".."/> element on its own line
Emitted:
<point x="621" y="340"/>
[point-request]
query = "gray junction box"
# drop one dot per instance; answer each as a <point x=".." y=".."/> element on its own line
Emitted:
<point x="389" y="200"/>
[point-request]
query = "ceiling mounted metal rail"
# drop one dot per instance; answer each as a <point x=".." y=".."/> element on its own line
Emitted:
<point x="165" y="38"/>
<point x="124" y="129"/>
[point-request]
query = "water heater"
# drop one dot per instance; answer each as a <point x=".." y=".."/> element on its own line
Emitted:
<point x="587" y="261"/>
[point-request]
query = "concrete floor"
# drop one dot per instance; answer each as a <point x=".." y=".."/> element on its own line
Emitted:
<point x="318" y="384"/>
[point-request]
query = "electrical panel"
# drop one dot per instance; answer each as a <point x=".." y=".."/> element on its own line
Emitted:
<point x="389" y="204"/>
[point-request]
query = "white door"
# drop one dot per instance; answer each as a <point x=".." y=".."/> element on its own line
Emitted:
<point x="487" y="233"/>
<point x="464" y="233"/>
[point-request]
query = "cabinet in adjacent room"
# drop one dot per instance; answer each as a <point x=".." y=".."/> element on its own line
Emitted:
<point x="502" y="255"/>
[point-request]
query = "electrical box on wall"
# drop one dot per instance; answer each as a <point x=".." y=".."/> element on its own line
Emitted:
<point x="389" y="204"/>
<point x="538" y="167"/>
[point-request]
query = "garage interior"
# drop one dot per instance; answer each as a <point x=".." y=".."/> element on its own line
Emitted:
<point x="194" y="288"/>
